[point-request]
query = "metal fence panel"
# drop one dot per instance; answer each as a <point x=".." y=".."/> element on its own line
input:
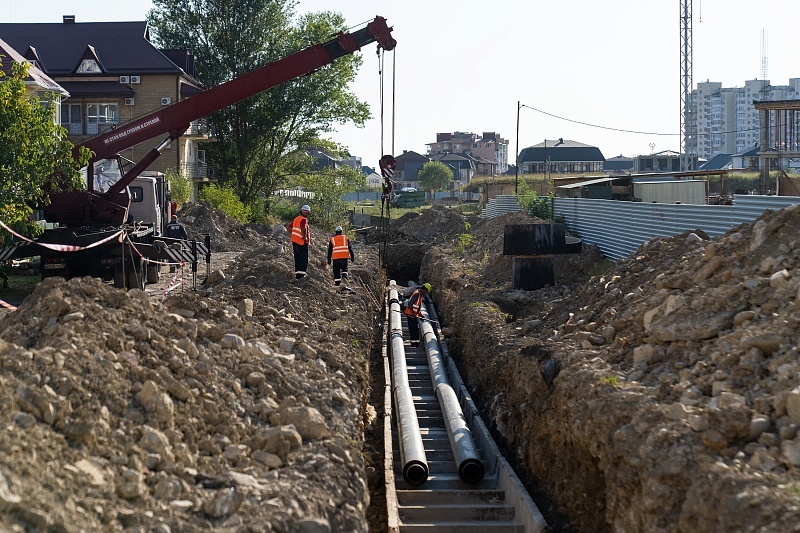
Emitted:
<point x="619" y="228"/>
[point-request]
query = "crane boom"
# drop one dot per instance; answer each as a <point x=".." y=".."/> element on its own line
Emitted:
<point x="80" y="207"/>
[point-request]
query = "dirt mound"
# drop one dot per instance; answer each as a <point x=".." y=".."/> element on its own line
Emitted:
<point x="430" y="226"/>
<point x="661" y="396"/>
<point x="227" y="234"/>
<point x="241" y="406"/>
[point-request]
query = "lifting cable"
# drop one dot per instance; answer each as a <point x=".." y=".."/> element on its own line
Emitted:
<point x="387" y="162"/>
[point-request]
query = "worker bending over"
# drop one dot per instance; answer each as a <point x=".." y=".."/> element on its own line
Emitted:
<point x="413" y="311"/>
<point x="339" y="250"/>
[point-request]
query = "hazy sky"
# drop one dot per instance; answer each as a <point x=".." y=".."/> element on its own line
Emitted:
<point x="463" y="66"/>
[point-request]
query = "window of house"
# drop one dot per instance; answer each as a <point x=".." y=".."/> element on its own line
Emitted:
<point x="89" y="66"/>
<point x="71" y="118"/>
<point x="100" y="117"/>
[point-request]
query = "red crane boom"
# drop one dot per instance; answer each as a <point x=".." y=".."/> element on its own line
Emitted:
<point x="111" y="207"/>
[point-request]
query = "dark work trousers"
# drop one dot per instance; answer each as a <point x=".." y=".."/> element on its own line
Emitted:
<point x="413" y="328"/>
<point x="300" y="259"/>
<point x="339" y="270"/>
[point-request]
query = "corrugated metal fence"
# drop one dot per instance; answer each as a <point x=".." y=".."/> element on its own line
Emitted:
<point x="619" y="228"/>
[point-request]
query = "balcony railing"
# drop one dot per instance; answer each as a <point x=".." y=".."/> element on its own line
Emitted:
<point x="199" y="128"/>
<point x="198" y="171"/>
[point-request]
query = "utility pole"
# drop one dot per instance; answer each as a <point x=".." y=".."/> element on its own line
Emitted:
<point x="686" y="82"/>
<point x="516" y="164"/>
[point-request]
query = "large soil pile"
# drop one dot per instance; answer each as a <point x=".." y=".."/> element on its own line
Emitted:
<point x="662" y="396"/>
<point x="241" y="406"/>
<point x="228" y="234"/>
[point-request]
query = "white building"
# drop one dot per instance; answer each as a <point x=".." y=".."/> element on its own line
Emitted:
<point x="725" y="120"/>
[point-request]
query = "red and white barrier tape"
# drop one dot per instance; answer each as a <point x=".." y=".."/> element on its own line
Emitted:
<point x="64" y="247"/>
<point x="176" y="281"/>
<point x="7" y="305"/>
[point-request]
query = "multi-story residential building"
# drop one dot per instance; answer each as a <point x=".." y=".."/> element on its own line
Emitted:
<point x="491" y="147"/>
<point x="113" y="73"/>
<point x="725" y="119"/>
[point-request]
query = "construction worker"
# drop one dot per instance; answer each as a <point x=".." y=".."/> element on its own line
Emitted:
<point x="300" y="231"/>
<point x="339" y="250"/>
<point x="175" y="229"/>
<point x="413" y="310"/>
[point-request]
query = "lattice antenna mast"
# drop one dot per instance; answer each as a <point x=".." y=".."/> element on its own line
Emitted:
<point x="686" y="82"/>
<point x="764" y="75"/>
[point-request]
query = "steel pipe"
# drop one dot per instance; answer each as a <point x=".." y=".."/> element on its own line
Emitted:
<point x="470" y="466"/>
<point x="412" y="451"/>
<point x="465" y="453"/>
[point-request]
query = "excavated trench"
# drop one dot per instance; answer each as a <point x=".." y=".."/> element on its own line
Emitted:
<point x="404" y="263"/>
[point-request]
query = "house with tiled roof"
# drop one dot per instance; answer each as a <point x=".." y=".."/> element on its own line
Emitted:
<point x="37" y="82"/>
<point x="560" y="156"/>
<point x="718" y="162"/>
<point x="462" y="165"/>
<point x="406" y="173"/>
<point x="113" y="73"/>
<point x="747" y="159"/>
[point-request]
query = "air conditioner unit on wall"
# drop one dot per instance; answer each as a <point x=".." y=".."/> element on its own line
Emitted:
<point x="124" y="79"/>
<point x="136" y="79"/>
<point x="166" y="100"/>
<point x="130" y="101"/>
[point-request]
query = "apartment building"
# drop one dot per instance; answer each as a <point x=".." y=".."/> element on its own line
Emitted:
<point x="490" y="147"/>
<point x="725" y="119"/>
<point x="113" y="73"/>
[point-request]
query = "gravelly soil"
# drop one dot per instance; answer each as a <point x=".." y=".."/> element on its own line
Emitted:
<point x="240" y="406"/>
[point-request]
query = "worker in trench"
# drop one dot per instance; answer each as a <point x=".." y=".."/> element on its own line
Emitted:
<point x="413" y="310"/>
<point x="339" y="250"/>
<point x="300" y="231"/>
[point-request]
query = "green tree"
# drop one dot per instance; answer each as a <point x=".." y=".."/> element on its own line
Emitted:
<point x="34" y="151"/>
<point x="180" y="187"/>
<point x="435" y="176"/>
<point x="260" y="140"/>
<point x="329" y="186"/>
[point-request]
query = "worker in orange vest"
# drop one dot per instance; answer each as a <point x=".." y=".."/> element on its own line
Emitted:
<point x="339" y="250"/>
<point x="413" y="310"/>
<point x="300" y="231"/>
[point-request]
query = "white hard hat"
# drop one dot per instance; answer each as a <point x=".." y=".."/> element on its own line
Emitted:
<point x="338" y="229"/>
<point x="305" y="208"/>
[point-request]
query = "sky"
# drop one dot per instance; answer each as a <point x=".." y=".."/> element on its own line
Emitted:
<point x="579" y="69"/>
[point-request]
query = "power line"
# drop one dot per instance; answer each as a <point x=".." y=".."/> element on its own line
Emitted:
<point x="596" y="125"/>
<point x="745" y="130"/>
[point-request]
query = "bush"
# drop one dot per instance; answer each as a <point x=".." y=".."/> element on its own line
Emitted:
<point x="284" y="210"/>
<point x="226" y="200"/>
<point x="180" y="187"/>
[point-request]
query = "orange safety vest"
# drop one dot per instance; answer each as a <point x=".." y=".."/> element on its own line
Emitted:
<point x="414" y="305"/>
<point x="340" y="246"/>
<point x="297" y="233"/>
